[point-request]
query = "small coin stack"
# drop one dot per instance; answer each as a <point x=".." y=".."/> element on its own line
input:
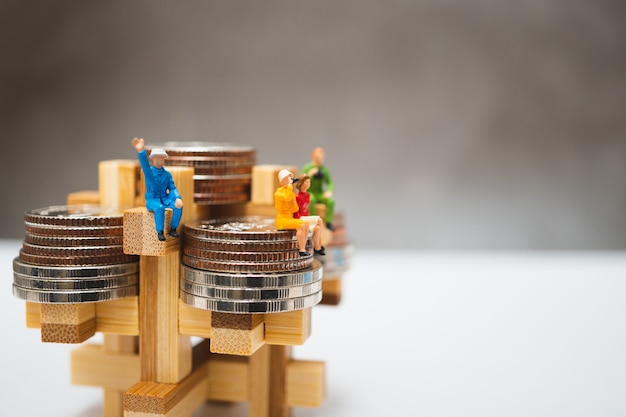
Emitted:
<point x="339" y="250"/>
<point x="245" y="265"/>
<point x="222" y="172"/>
<point x="74" y="254"/>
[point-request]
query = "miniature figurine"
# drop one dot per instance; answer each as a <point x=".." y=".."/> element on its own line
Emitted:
<point x="320" y="179"/>
<point x="286" y="206"/>
<point x="161" y="192"/>
<point x="303" y="198"/>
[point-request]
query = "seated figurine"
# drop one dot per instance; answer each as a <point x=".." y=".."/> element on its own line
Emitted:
<point x="322" y="187"/>
<point x="161" y="192"/>
<point x="286" y="205"/>
<point x="303" y="198"/>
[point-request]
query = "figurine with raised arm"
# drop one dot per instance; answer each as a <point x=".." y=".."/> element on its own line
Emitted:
<point x="322" y="187"/>
<point x="286" y="205"/>
<point x="161" y="192"/>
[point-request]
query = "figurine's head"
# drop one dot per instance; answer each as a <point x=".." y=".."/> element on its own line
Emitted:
<point x="304" y="182"/>
<point x="317" y="156"/>
<point x="158" y="157"/>
<point x="284" y="177"/>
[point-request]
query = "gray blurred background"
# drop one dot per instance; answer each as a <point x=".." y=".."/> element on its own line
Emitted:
<point x="447" y="124"/>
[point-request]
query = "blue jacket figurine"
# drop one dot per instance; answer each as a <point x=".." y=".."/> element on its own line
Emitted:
<point x="161" y="192"/>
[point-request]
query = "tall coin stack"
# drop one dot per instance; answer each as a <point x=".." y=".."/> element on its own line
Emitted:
<point x="222" y="172"/>
<point x="74" y="254"/>
<point x="245" y="265"/>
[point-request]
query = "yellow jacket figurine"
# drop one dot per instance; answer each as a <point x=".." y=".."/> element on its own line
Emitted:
<point x="286" y="205"/>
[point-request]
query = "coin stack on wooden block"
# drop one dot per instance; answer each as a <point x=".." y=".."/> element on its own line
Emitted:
<point x="232" y="279"/>
<point x="73" y="255"/>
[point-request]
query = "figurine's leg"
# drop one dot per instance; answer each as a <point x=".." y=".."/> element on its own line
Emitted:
<point x="302" y="234"/>
<point x="176" y="215"/>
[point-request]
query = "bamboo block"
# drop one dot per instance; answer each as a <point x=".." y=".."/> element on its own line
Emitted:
<point x="259" y="383"/>
<point x="288" y="328"/>
<point x="236" y="334"/>
<point x="113" y="404"/>
<point x="118" y="182"/>
<point x="280" y="357"/>
<point x="331" y="291"/>
<point x="33" y="315"/>
<point x="305" y="386"/>
<point x="265" y="182"/>
<point x="94" y="365"/>
<point x="67" y="313"/>
<point x="140" y="236"/>
<point x="67" y="333"/>
<point x="227" y="378"/>
<point x="165" y="355"/>
<point x="161" y="399"/>
<point x="67" y="323"/>
<point x="84" y="197"/>
<point x="118" y="316"/>
<point x="194" y="321"/>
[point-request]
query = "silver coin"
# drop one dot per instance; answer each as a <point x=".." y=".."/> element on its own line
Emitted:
<point x="201" y="147"/>
<point x="74" y="297"/>
<point x="78" y="272"/>
<point x="48" y="284"/>
<point x="78" y="215"/>
<point x="285" y="279"/>
<point x="241" y="294"/>
<point x="247" y="307"/>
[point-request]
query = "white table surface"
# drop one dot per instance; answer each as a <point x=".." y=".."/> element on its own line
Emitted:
<point x="417" y="334"/>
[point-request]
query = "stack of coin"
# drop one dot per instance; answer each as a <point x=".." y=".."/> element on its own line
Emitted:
<point x="339" y="250"/>
<point x="74" y="254"/>
<point x="222" y="172"/>
<point x="245" y="265"/>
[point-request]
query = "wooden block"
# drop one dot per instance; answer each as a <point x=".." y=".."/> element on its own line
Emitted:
<point x="67" y="313"/>
<point x="67" y="333"/>
<point x="227" y="378"/>
<point x="84" y="197"/>
<point x="112" y="403"/>
<point x="194" y="321"/>
<point x="265" y="182"/>
<point x="118" y="316"/>
<point x="305" y="386"/>
<point x="236" y="334"/>
<point x="33" y="315"/>
<point x="161" y="399"/>
<point x="259" y="383"/>
<point x="165" y="355"/>
<point x="118" y="182"/>
<point x="140" y="236"/>
<point x="331" y="291"/>
<point x="280" y="357"/>
<point x="67" y="323"/>
<point x="95" y="365"/>
<point x="288" y="328"/>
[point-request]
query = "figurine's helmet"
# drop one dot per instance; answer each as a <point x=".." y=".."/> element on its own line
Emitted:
<point x="282" y="174"/>
<point x="158" y="152"/>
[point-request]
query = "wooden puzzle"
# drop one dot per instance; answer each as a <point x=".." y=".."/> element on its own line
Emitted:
<point x="211" y="315"/>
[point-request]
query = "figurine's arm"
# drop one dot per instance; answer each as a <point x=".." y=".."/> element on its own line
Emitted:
<point x="330" y="186"/>
<point x="174" y="192"/>
<point x="138" y="143"/>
